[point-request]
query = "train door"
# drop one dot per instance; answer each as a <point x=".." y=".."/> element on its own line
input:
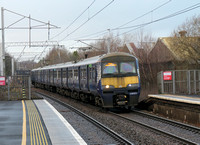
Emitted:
<point x="88" y="78"/>
<point x="48" y="81"/>
<point x="70" y="78"/>
<point x="93" y="78"/>
<point x="79" y="71"/>
<point x="51" y="76"/>
<point x="61" y="77"/>
<point x="67" y="78"/>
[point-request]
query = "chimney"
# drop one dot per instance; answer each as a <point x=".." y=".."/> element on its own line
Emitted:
<point x="86" y="56"/>
<point x="182" y="33"/>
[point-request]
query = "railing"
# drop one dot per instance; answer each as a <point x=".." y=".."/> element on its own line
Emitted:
<point x="16" y="88"/>
<point x="179" y="82"/>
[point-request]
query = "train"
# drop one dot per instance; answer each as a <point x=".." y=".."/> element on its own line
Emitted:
<point x="110" y="80"/>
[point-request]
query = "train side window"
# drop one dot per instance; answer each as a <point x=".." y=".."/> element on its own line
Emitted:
<point x="44" y="75"/>
<point x="64" y="73"/>
<point x="83" y="74"/>
<point x="54" y="74"/>
<point x="59" y="74"/>
<point x="51" y="74"/>
<point x="70" y="74"/>
<point x="39" y="75"/>
<point x="76" y="74"/>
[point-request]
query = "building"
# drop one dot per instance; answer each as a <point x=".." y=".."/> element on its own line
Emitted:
<point x="176" y="53"/>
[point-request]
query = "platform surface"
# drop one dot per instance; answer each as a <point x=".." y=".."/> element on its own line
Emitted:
<point x="34" y="122"/>
<point x="60" y="131"/>
<point x="190" y="99"/>
<point x="11" y="116"/>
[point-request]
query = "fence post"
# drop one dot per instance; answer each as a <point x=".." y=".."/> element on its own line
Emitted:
<point x="188" y="82"/>
<point x="174" y="82"/>
<point x="199" y="80"/>
<point x="195" y="87"/>
<point x="162" y="83"/>
<point x="8" y="89"/>
<point x="29" y="86"/>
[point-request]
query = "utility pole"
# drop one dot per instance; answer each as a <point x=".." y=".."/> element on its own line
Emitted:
<point x="30" y="27"/>
<point x="2" y="65"/>
<point x="108" y="44"/>
<point x="48" y="30"/>
<point x="29" y="30"/>
<point x="13" y="67"/>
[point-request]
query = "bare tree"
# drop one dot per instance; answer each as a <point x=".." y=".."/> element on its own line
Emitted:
<point x="191" y="26"/>
<point x="57" y="55"/>
<point x="107" y="42"/>
<point x="186" y="41"/>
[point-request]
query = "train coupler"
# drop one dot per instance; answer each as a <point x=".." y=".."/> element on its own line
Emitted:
<point x="121" y="100"/>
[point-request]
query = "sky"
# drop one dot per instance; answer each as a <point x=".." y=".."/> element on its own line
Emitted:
<point x="79" y="19"/>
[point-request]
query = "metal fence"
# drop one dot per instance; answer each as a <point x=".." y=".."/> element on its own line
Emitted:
<point x="180" y="82"/>
<point x="16" y="88"/>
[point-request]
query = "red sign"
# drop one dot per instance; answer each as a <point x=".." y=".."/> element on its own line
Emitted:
<point x="2" y="81"/>
<point x="167" y="76"/>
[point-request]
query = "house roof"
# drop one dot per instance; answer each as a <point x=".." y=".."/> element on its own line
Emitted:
<point x="183" y="48"/>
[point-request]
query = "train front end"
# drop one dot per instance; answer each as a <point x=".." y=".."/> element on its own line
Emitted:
<point x="120" y="81"/>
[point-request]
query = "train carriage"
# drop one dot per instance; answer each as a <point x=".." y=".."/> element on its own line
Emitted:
<point x="110" y="80"/>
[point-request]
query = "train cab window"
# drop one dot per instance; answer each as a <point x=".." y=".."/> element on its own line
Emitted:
<point x="110" y="68"/>
<point x="127" y="67"/>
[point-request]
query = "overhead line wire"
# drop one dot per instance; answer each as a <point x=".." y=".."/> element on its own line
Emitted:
<point x="145" y="14"/>
<point x="30" y="18"/>
<point x="157" y="20"/>
<point x="163" y="18"/>
<point x="87" y="20"/>
<point x="105" y="31"/>
<point x="166" y="17"/>
<point x="74" y="20"/>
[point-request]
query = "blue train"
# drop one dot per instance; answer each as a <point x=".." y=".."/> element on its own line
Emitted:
<point x="109" y="80"/>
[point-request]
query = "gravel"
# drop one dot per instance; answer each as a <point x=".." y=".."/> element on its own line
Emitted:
<point x="89" y="132"/>
<point x="131" y="131"/>
<point x="182" y="132"/>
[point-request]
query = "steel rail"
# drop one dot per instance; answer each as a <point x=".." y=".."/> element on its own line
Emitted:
<point x="156" y="129"/>
<point x="168" y="121"/>
<point x="113" y="134"/>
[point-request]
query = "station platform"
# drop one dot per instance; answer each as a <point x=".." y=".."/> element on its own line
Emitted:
<point x="34" y="122"/>
<point x="189" y="99"/>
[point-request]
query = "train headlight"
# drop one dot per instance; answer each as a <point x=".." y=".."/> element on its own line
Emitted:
<point x="108" y="87"/>
<point x="132" y="85"/>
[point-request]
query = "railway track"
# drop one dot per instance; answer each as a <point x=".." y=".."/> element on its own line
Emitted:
<point x="111" y="133"/>
<point x="171" y="122"/>
<point x="167" y="122"/>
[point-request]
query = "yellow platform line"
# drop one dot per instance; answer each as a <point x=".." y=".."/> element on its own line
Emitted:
<point x="32" y="134"/>
<point x="33" y="122"/>
<point x="41" y="128"/>
<point x="36" y="128"/>
<point x="24" y="125"/>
